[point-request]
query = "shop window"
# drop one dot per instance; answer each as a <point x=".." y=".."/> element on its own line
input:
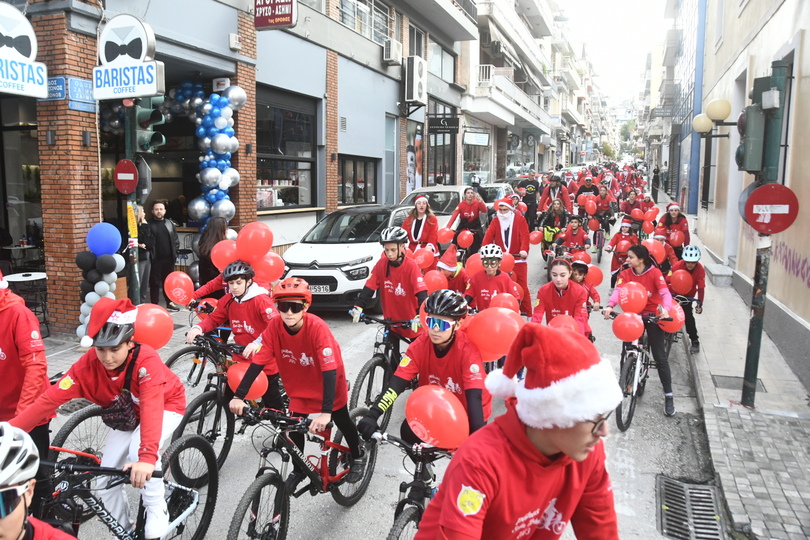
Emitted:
<point x="416" y="42"/>
<point x="357" y="181"/>
<point x="441" y="148"/>
<point x="441" y="62"/>
<point x="477" y="155"/>
<point x="369" y="18"/>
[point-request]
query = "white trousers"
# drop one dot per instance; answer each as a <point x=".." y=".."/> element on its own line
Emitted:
<point x="122" y="448"/>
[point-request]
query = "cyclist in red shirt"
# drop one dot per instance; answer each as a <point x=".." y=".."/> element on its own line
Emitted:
<point x="690" y="263"/>
<point x="490" y="281"/>
<point x="457" y="277"/>
<point x="631" y="203"/>
<point x="511" y="233"/>
<point x="624" y="235"/>
<point x="469" y="212"/>
<point x="561" y="296"/>
<point x="574" y="236"/>
<point x="555" y="190"/>
<point x="660" y="235"/>
<point x="675" y="221"/>
<point x="579" y="270"/>
<point x="542" y="464"/>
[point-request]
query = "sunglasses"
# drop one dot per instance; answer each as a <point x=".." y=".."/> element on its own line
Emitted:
<point x="295" y="307"/>
<point x="490" y="262"/>
<point x="435" y="323"/>
<point x="10" y="498"/>
<point x="597" y="424"/>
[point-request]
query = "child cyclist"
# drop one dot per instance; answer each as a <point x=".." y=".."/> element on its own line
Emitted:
<point x="249" y="308"/>
<point x="625" y="234"/>
<point x="579" y="270"/>
<point x="562" y="296"/>
<point x="442" y="356"/>
<point x="306" y="354"/>
<point x="691" y="256"/>
<point x="151" y="408"/>
<point x="490" y="281"/>
<point x="457" y="277"/>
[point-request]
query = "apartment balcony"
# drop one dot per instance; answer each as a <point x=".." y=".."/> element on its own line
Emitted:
<point x="671" y="47"/>
<point x="561" y="43"/>
<point x="571" y="114"/>
<point x="457" y="18"/>
<point x="498" y="100"/>
<point x="540" y="17"/>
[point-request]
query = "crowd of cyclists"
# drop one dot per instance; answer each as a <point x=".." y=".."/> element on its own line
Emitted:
<point x="144" y="401"/>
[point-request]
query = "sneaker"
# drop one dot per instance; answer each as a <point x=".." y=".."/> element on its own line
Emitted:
<point x="157" y="521"/>
<point x="357" y="469"/>
<point x="173" y="307"/>
<point x="593" y="249"/>
<point x="669" y="405"/>
<point x="695" y="348"/>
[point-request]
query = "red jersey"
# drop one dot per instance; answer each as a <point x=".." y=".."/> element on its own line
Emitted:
<point x="499" y="486"/>
<point x="603" y="204"/>
<point x="593" y="294"/>
<point x="620" y="256"/>
<point x="681" y="224"/>
<point x="653" y="280"/>
<point x="459" y="370"/>
<point x="398" y="286"/>
<point x="517" y="241"/>
<point x="22" y="357"/>
<point x="647" y="205"/>
<point x="572" y="301"/>
<point x="43" y="531"/>
<point x="698" y="279"/>
<point x="571" y="238"/>
<point x="469" y="214"/>
<point x="301" y="359"/>
<point x="482" y="288"/>
<point x="560" y="193"/>
<point x="154" y="388"/>
<point x="426" y="237"/>
<point x="459" y="281"/>
<point x="627" y="207"/>
<point x="670" y="254"/>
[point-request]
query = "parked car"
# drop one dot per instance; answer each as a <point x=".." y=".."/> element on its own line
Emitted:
<point x="444" y="199"/>
<point x="336" y="255"/>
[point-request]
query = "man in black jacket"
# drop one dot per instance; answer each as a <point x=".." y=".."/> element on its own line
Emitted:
<point x="166" y="246"/>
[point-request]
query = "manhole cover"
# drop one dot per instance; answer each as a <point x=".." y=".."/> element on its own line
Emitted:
<point x="734" y="383"/>
<point x="688" y="511"/>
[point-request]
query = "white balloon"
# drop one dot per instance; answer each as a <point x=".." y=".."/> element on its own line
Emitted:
<point x="234" y="145"/>
<point x="102" y="288"/>
<point x="226" y="112"/>
<point x="82" y="319"/>
<point x="225" y="184"/>
<point x="109" y="278"/>
<point x="110" y="295"/>
<point x="85" y="309"/>
<point x="220" y="143"/>
<point x="113" y="286"/>
<point x="232" y="175"/>
<point x="221" y="123"/>
<point x="119" y="262"/>
<point x="91" y="298"/>
<point x="230" y="122"/>
<point x="231" y="234"/>
<point x="198" y="121"/>
<point x="81" y="331"/>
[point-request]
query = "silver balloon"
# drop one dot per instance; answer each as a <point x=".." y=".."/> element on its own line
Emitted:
<point x="220" y="123"/>
<point x="206" y="108"/>
<point x="198" y="121"/>
<point x="196" y="101"/>
<point x="230" y="122"/>
<point x="109" y="295"/>
<point x="226" y="112"/>
<point x="203" y="144"/>
<point x="119" y="262"/>
<point x="220" y="143"/>
<point x="172" y="92"/>
<point x="223" y="208"/>
<point x="169" y="117"/>
<point x="232" y="175"/>
<point x="109" y="278"/>
<point x="194" y="271"/>
<point x="115" y="123"/>
<point x="199" y="208"/>
<point x="225" y="184"/>
<point x="102" y="288"/>
<point x="192" y="116"/>
<point x="236" y="97"/>
<point x="85" y="308"/>
<point x="91" y="298"/>
<point x="231" y="234"/>
<point x="195" y="244"/>
<point x="210" y="177"/>
<point x="81" y="331"/>
<point x="234" y="145"/>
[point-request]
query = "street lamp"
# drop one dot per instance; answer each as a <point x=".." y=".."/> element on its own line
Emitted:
<point x="717" y="110"/>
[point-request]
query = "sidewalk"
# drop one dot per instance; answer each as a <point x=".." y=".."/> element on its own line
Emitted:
<point x="761" y="456"/>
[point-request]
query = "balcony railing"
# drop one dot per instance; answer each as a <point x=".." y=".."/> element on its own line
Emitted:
<point x="497" y="84"/>
<point x="468" y="7"/>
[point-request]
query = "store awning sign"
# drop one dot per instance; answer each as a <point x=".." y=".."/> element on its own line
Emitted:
<point x="448" y="125"/>
<point x="20" y="74"/>
<point x="275" y="14"/>
<point x="126" y="49"/>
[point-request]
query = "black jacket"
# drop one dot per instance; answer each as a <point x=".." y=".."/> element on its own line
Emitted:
<point x="169" y="224"/>
<point x="147" y="238"/>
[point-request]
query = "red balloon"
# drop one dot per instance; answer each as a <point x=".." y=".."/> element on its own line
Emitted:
<point x="583" y="256"/>
<point x="565" y="321"/>
<point x="676" y="238"/>
<point x="678" y="318"/>
<point x="594" y="276"/>
<point x="651" y="214"/>
<point x="224" y="253"/>
<point x="435" y="280"/>
<point x="594" y="225"/>
<point x="505" y="300"/>
<point x="437" y="416"/>
<point x="628" y="326"/>
<point x="637" y="214"/>
<point x="522" y="207"/>
<point x="206" y="302"/>
<point x="254" y="241"/>
<point x="423" y="257"/>
<point x="153" y="325"/>
<point x="590" y="207"/>
<point x="632" y="297"/>
<point x="648" y="227"/>
<point x="507" y="263"/>
<point x="269" y="268"/>
<point x="465" y="239"/>
<point x="581" y="199"/>
<point x="446" y="235"/>
<point x="237" y="372"/>
<point x="179" y="287"/>
<point x="473" y="264"/>
<point x="493" y="331"/>
<point x="656" y="249"/>
<point x="681" y="282"/>
<point x="623" y="246"/>
<point x="535" y="237"/>
<point x="408" y="253"/>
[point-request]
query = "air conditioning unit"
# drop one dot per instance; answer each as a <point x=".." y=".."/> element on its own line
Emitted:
<point x="416" y="80"/>
<point x="486" y="38"/>
<point x="392" y="52"/>
<point x="497" y="49"/>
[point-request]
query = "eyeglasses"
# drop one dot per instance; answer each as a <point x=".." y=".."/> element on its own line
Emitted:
<point x="435" y="323"/>
<point x="597" y="424"/>
<point x="10" y="498"/>
<point x="490" y="262"/>
<point x="295" y="307"/>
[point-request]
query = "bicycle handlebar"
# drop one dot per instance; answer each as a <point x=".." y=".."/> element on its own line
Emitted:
<point x="413" y="450"/>
<point x="368" y="319"/>
<point x="254" y="416"/>
<point x="205" y="339"/>
<point x="75" y="468"/>
<point x="646" y="319"/>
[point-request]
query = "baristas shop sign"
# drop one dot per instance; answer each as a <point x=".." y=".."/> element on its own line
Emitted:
<point x="19" y="73"/>
<point x="126" y="49"/>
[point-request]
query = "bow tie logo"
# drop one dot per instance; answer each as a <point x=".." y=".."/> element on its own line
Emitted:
<point x="22" y="44"/>
<point x="132" y="49"/>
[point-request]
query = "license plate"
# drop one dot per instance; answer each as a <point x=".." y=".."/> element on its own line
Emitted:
<point x="320" y="289"/>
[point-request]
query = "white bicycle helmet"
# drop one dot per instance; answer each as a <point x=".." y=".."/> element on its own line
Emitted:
<point x="691" y="253"/>
<point x="393" y="235"/>
<point x="491" y="251"/>
<point x="19" y="457"/>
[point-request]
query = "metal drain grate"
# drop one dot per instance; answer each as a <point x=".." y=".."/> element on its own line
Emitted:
<point x="733" y="383"/>
<point x="688" y="511"/>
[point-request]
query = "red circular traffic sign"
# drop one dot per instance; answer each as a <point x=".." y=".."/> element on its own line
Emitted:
<point x="771" y="208"/>
<point x="126" y="176"/>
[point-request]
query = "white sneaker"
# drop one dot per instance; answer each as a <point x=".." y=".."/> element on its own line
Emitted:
<point x="157" y="521"/>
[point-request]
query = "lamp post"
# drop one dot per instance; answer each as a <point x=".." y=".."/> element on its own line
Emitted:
<point x="717" y="111"/>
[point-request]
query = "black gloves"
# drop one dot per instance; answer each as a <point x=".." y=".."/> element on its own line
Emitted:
<point x="367" y="425"/>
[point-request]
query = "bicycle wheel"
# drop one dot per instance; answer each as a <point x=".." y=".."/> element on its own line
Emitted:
<point x="207" y="417"/>
<point x="263" y="512"/>
<point x="406" y="524"/>
<point x="84" y="431"/>
<point x="192" y="366"/>
<point x="627" y="406"/>
<point x="600" y="243"/>
<point x="190" y="472"/>
<point x="346" y="494"/>
<point x="371" y="382"/>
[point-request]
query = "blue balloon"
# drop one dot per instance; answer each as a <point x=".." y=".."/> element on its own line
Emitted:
<point x="212" y="132"/>
<point x="222" y="162"/>
<point x="200" y="132"/>
<point x="211" y="196"/>
<point x="215" y="112"/>
<point x="103" y="239"/>
<point x="228" y="162"/>
<point x="226" y="196"/>
<point x="229" y="131"/>
<point x="213" y="99"/>
<point x="199" y="93"/>
<point x="227" y="155"/>
<point x="186" y="85"/>
<point x="223" y="102"/>
<point x="208" y="121"/>
<point x="222" y="167"/>
<point x="220" y="195"/>
<point x="209" y="152"/>
<point x="202" y="165"/>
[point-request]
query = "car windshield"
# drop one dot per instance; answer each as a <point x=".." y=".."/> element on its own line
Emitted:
<point x="441" y="202"/>
<point x="349" y="228"/>
<point x="489" y="193"/>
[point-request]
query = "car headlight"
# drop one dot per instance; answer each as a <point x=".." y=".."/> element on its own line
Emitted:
<point x="356" y="273"/>
<point x="358" y="261"/>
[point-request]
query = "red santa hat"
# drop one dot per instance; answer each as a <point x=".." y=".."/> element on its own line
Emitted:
<point x="449" y="261"/>
<point x="106" y="310"/>
<point x="673" y="205"/>
<point x="418" y="198"/>
<point x="506" y="201"/>
<point x="566" y="382"/>
<point x="3" y="282"/>
<point x="660" y="232"/>
<point x="626" y="222"/>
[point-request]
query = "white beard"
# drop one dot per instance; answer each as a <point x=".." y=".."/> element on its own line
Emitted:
<point x="506" y="220"/>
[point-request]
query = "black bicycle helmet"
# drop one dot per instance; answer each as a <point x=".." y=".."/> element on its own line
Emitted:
<point x="446" y="303"/>
<point x="393" y="235"/>
<point x="238" y="269"/>
<point x="113" y="334"/>
<point x="555" y="178"/>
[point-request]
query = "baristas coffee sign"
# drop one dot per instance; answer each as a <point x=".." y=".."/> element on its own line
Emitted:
<point x="20" y="74"/>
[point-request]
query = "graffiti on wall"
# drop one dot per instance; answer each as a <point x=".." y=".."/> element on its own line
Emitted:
<point x="792" y="260"/>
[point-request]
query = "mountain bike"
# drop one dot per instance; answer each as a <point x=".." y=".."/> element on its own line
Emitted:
<point x="264" y="509"/>
<point x="599" y="234"/>
<point x="673" y="337"/>
<point x="374" y="376"/>
<point x="194" y="363"/>
<point x="415" y="495"/>
<point x="189" y="476"/>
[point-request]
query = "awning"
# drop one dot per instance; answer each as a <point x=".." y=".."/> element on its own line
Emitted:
<point x="506" y="47"/>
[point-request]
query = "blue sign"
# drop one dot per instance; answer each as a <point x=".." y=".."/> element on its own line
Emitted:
<point x="80" y="90"/>
<point x="82" y="106"/>
<point x="56" y="89"/>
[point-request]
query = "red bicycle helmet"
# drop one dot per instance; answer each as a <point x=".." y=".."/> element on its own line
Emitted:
<point x="292" y="288"/>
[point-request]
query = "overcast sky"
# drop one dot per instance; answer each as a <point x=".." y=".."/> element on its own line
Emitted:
<point x="618" y="35"/>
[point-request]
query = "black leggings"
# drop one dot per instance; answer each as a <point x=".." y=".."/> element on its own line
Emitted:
<point x="41" y="436"/>
<point x="343" y="422"/>
<point x="272" y="397"/>
<point x="656" y="337"/>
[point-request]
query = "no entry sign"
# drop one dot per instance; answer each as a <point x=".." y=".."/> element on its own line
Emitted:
<point x="126" y="176"/>
<point x="771" y="208"/>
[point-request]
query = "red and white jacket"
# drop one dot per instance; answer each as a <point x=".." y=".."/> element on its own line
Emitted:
<point x="571" y="301"/>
